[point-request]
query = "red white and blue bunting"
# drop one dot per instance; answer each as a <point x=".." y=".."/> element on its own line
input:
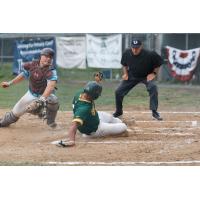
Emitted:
<point x="182" y="63"/>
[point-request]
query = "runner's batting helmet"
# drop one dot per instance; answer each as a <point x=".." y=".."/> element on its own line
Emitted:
<point x="93" y="89"/>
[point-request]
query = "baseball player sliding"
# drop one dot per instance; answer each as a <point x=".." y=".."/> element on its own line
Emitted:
<point x="39" y="99"/>
<point x="87" y="120"/>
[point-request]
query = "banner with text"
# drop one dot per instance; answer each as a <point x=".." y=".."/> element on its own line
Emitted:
<point x="182" y="63"/>
<point x="71" y="52"/>
<point x="29" y="50"/>
<point x="104" y="52"/>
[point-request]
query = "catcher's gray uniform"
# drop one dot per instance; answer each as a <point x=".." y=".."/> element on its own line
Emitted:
<point x="39" y="77"/>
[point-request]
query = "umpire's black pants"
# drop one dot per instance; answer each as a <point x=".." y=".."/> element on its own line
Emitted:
<point x="127" y="85"/>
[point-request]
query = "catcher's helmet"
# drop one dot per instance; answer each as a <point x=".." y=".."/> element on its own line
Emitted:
<point x="47" y="52"/>
<point x="93" y="89"/>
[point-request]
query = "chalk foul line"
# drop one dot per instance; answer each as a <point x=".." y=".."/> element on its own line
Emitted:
<point x="183" y="162"/>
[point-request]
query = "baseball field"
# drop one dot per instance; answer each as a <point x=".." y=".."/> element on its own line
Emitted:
<point x="173" y="141"/>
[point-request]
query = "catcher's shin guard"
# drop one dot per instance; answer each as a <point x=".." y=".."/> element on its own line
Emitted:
<point x="8" y="119"/>
<point x="51" y="110"/>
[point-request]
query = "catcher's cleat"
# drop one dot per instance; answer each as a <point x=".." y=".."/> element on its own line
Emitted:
<point x="156" y="115"/>
<point x="64" y="143"/>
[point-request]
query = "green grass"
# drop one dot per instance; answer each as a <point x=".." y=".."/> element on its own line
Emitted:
<point x="71" y="80"/>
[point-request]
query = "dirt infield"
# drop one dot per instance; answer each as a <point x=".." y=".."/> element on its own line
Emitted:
<point x="174" y="141"/>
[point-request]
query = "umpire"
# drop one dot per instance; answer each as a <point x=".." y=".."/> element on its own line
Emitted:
<point x="139" y="66"/>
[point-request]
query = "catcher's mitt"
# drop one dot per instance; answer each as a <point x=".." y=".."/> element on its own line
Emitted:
<point x="36" y="107"/>
<point x="98" y="76"/>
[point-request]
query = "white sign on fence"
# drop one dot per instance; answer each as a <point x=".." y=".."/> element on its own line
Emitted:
<point x="71" y="52"/>
<point x="104" y="52"/>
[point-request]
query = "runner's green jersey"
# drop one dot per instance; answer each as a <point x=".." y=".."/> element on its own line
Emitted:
<point x="85" y="114"/>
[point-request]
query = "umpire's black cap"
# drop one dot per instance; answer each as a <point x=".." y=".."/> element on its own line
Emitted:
<point x="136" y="43"/>
<point x="47" y="52"/>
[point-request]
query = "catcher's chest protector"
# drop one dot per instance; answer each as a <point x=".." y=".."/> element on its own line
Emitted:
<point x="38" y="77"/>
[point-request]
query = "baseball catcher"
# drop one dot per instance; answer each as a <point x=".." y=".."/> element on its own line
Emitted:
<point x="40" y="98"/>
<point x="87" y="120"/>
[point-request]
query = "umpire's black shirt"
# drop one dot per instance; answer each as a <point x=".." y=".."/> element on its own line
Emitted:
<point x="139" y="66"/>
